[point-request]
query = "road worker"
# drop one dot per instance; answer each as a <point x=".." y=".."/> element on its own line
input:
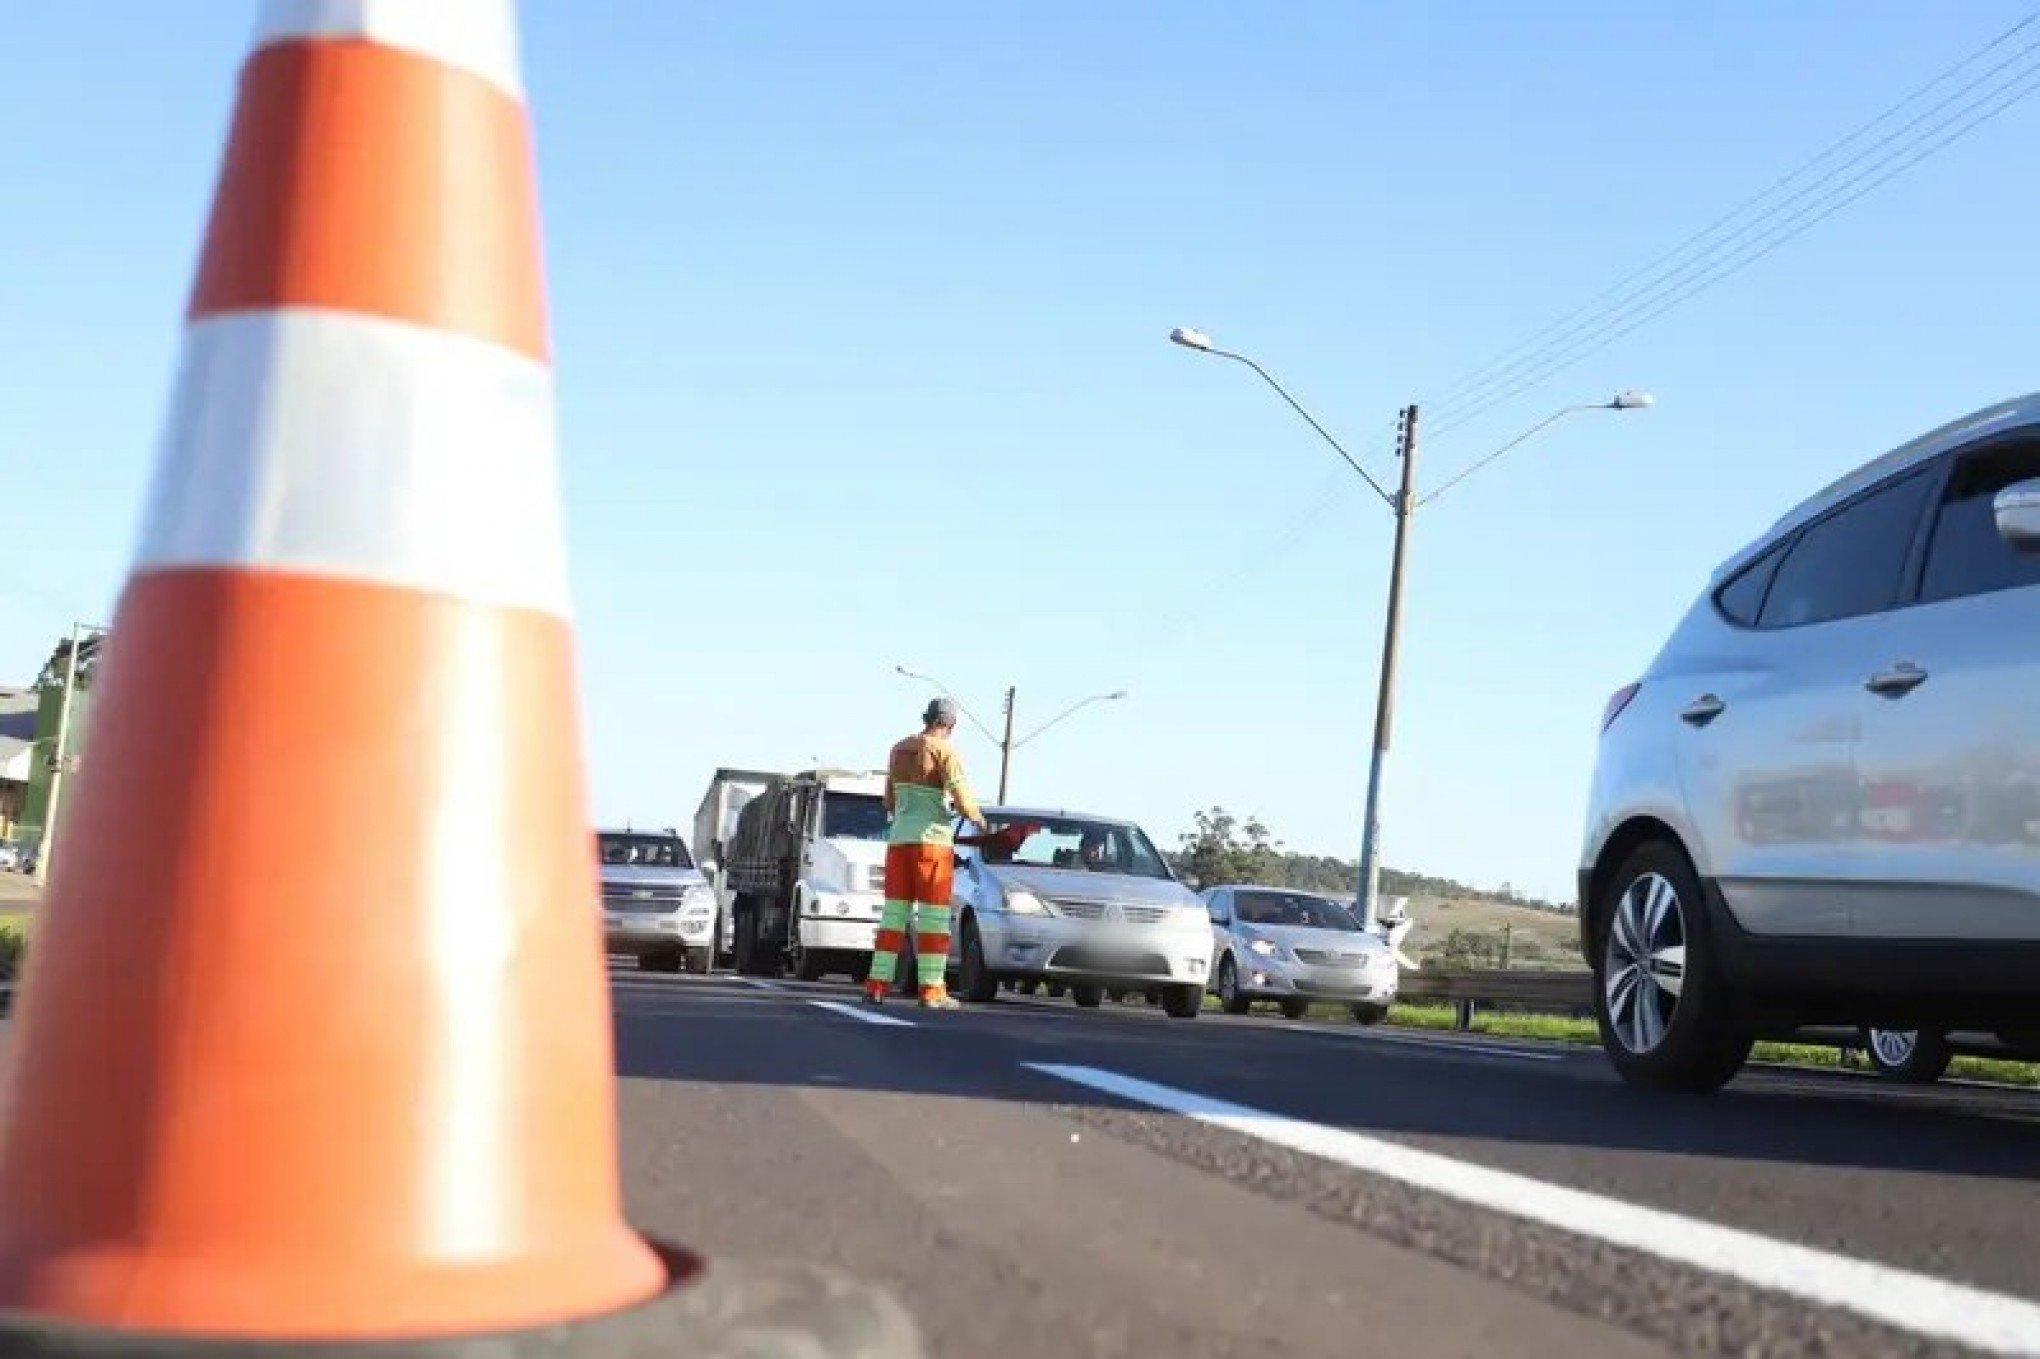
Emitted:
<point x="924" y="777"/>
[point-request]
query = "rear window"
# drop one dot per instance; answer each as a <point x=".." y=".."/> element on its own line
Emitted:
<point x="633" y="850"/>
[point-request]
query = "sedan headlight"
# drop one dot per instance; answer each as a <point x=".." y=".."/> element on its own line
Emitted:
<point x="1025" y="903"/>
<point x="697" y="900"/>
<point x="1267" y="948"/>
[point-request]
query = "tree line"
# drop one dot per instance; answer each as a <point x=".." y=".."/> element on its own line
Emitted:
<point x="1221" y="847"/>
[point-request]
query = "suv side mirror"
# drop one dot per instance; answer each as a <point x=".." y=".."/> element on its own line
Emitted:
<point x="2017" y="509"/>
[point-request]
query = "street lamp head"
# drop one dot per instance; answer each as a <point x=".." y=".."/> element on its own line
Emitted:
<point x="1190" y="339"/>
<point x="1632" y="401"/>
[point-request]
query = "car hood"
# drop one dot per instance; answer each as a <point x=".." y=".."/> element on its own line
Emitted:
<point x="651" y="877"/>
<point x="1084" y="886"/>
<point x="1305" y="936"/>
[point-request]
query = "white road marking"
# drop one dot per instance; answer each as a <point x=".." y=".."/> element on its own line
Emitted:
<point x="1992" y="1322"/>
<point x="759" y="985"/>
<point x="865" y="1013"/>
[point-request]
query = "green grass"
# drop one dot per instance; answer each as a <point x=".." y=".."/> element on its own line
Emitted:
<point x="1564" y="1029"/>
<point x="13" y="943"/>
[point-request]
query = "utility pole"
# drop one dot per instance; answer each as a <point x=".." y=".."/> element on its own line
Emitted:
<point x="1405" y="507"/>
<point x="1006" y="744"/>
<point x="60" y="759"/>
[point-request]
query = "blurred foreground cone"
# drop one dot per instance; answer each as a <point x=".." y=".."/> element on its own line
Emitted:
<point x="314" y="1040"/>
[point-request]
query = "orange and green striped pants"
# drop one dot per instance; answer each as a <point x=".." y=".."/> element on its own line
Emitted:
<point x="918" y="883"/>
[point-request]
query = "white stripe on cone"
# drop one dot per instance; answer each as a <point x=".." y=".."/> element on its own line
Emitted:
<point x="479" y="36"/>
<point x="337" y="444"/>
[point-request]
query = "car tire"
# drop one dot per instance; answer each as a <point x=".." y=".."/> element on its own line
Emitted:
<point x="1667" y="1019"/>
<point x="1295" y="1009"/>
<point x="1183" y="1002"/>
<point x="1087" y="995"/>
<point x="1369" y="1014"/>
<point x="698" y="961"/>
<point x="1231" y="998"/>
<point x="978" y="983"/>
<point x="1908" y="1056"/>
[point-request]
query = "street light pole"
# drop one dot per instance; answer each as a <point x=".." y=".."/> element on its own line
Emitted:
<point x="49" y="833"/>
<point x="1006" y="744"/>
<point x="1403" y="504"/>
<point x="1384" y="697"/>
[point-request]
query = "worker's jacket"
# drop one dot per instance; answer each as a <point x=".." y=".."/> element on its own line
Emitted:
<point x="923" y="776"/>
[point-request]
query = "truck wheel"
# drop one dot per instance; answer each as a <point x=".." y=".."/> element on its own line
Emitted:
<point x="665" y="960"/>
<point x="810" y="966"/>
<point x="1183" y="1002"/>
<point x="1087" y="995"/>
<point x="698" y="960"/>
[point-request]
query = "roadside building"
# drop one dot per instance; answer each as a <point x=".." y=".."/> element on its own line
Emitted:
<point x="18" y="709"/>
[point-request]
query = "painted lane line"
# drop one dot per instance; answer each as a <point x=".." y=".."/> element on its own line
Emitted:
<point x="758" y="985"/>
<point x="1991" y="1322"/>
<point x="869" y="1016"/>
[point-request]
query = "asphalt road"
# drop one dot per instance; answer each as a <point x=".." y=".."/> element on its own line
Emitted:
<point x="1034" y="1179"/>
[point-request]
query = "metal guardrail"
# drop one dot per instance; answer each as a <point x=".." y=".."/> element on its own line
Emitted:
<point x="1465" y="989"/>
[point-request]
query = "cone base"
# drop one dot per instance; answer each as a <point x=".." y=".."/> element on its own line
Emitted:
<point x="717" y="1312"/>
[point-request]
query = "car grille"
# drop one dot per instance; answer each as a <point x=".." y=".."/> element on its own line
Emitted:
<point x="1319" y="957"/>
<point x="1095" y="910"/>
<point x="648" y="900"/>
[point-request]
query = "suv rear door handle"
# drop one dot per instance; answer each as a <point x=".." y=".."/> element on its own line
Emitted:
<point x="1702" y="710"/>
<point x="1898" y="681"/>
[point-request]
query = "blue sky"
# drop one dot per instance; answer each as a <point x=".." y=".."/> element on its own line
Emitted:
<point x="830" y="282"/>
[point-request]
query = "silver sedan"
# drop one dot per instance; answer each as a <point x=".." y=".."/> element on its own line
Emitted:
<point x="1271" y="943"/>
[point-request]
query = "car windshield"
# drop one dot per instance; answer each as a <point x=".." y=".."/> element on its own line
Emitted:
<point x="853" y="816"/>
<point x="631" y="850"/>
<point x="1291" y="908"/>
<point x="1082" y="846"/>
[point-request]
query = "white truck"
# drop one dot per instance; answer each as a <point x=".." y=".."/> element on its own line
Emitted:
<point x="805" y="873"/>
<point x="715" y="826"/>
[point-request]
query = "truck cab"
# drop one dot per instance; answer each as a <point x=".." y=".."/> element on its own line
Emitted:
<point x="806" y="875"/>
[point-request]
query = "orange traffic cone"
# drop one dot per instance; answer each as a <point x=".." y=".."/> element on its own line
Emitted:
<point x="314" y="1040"/>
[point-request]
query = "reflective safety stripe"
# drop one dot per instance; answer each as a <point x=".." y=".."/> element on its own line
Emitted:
<point x="335" y="444"/>
<point x="475" y="35"/>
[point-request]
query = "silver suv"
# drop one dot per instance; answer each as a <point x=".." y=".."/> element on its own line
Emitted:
<point x="657" y="907"/>
<point x="1821" y="803"/>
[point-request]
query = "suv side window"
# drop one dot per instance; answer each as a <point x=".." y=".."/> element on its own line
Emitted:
<point x="1849" y="563"/>
<point x="1743" y="597"/>
<point x="1966" y="556"/>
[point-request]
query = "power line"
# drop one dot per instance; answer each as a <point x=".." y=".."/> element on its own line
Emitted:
<point x="1810" y="215"/>
<point x="1640" y="296"/>
<point x="1488" y="373"/>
